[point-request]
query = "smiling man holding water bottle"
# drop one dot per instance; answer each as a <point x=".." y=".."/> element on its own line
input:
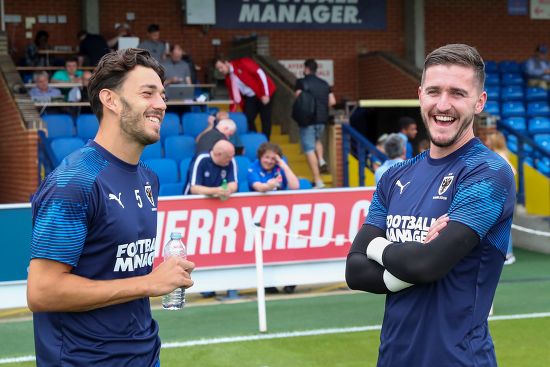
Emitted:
<point x="94" y="230"/>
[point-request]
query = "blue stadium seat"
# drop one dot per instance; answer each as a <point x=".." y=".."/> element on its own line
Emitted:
<point x="152" y="151"/>
<point x="538" y="109"/>
<point x="491" y="66"/>
<point x="212" y="110"/>
<point x="242" y="172"/>
<point x="539" y="125"/>
<point x="516" y="123"/>
<point x="533" y="94"/>
<point x="305" y="184"/>
<point x="194" y="123"/>
<point x="240" y="121"/>
<point x="165" y="168"/>
<point x="170" y="126"/>
<point x="492" y="107"/>
<point x="59" y="125"/>
<point x="251" y="142"/>
<point x="184" y="169"/>
<point x="543" y="166"/>
<point x="511" y="93"/>
<point x="512" y="108"/>
<point x="179" y="147"/>
<point x="512" y="143"/>
<point x="171" y="189"/>
<point x="62" y="147"/>
<point x="492" y="79"/>
<point x="512" y="79"/>
<point x="543" y="140"/>
<point x="509" y="66"/>
<point x="493" y="92"/>
<point x="86" y="126"/>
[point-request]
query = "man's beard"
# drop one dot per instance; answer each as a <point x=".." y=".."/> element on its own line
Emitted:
<point x="453" y="139"/>
<point x="132" y="123"/>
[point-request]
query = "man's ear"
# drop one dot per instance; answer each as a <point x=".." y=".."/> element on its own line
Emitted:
<point x="110" y="100"/>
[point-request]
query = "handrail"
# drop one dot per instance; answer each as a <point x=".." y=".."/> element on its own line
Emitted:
<point x="363" y="146"/>
<point x="522" y="139"/>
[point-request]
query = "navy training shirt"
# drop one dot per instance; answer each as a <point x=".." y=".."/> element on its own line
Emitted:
<point x="99" y="215"/>
<point x="444" y="323"/>
<point x="205" y="172"/>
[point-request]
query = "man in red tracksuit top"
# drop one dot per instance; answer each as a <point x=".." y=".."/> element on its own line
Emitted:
<point x="251" y="88"/>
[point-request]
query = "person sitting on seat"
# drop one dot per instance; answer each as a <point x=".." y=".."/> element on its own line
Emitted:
<point x="43" y="92"/>
<point x="177" y="70"/>
<point x="70" y="74"/>
<point x="537" y="68"/>
<point x="270" y="172"/>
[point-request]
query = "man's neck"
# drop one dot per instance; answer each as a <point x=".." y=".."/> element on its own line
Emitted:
<point x="117" y="142"/>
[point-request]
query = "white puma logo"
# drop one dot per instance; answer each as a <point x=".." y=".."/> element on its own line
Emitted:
<point x="113" y="197"/>
<point x="401" y="186"/>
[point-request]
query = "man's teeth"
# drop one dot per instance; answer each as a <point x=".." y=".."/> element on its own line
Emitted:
<point x="444" y="118"/>
<point x="156" y="120"/>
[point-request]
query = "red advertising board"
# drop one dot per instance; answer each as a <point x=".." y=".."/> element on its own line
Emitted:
<point x="297" y="226"/>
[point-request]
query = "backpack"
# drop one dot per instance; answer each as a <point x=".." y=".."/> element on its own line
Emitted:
<point x="304" y="107"/>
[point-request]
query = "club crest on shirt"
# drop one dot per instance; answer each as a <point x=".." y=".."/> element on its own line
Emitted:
<point x="149" y="194"/>
<point x="445" y="184"/>
<point x="223" y="173"/>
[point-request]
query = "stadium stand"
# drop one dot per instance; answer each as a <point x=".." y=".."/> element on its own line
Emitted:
<point x="533" y="94"/>
<point x="194" y="123"/>
<point x="240" y="121"/>
<point x="509" y="66"/>
<point x="242" y="172"/>
<point x="152" y="151"/>
<point x="305" y="184"/>
<point x="539" y="125"/>
<point x="59" y="125"/>
<point x="516" y="123"/>
<point x="86" y="126"/>
<point x="512" y="108"/>
<point x="62" y="147"/>
<point x="538" y="109"/>
<point x="179" y="147"/>
<point x="171" y="189"/>
<point x="512" y="79"/>
<point x="492" y="107"/>
<point x="170" y="126"/>
<point x="492" y="79"/>
<point x="184" y="170"/>
<point x="251" y="142"/>
<point x="511" y="93"/>
<point x="165" y="168"/>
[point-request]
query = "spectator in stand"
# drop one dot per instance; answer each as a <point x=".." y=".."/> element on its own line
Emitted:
<point x="177" y="70"/>
<point x="408" y="131"/>
<point x="537" y="68"/>
<point x="251" y="88"/>
<point x="394" y="147"/>
<point x="91" y="49"/>
<point x="310" y="136"/>
<point x="210" y="170"/>
<point x="423" y="145"/>
<point x="43" y="92"/>
<point x="270" y="172"/>
<point x="70" y="74"/>
<point x="374" y="161"/>
<point x="32" y="57"/>
<point x="122" y="30"/>
<point x="497" y="143"/>
<point x="154" y="45"/>
<point x="192" y="66"/>
<point x="80" y="94"/>
<point x="223" y="130"/>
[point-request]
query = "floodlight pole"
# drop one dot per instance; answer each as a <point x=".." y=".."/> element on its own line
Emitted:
<point x="258" y="250"/>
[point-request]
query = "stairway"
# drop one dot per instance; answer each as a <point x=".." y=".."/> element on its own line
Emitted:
<point x="296" y="159"/>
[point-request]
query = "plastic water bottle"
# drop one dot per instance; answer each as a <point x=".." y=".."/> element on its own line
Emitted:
<point x="224" y="186"/>
<point x="176" y="299"/>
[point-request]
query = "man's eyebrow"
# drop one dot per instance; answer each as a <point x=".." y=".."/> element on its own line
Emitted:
<point x="152" y="86"/>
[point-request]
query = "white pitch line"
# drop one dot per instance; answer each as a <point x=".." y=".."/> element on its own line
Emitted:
<point x="292" y="334"/>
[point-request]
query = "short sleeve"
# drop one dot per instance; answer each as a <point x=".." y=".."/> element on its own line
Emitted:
<point x="378" y="207"/>
<point x="485" y="197"/>
<point x="60" y="219"/>
<point x="232" y="171"/>
<point x="253" y="175"/>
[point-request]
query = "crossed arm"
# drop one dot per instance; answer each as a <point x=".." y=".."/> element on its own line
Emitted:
<point x="388" y="267"/>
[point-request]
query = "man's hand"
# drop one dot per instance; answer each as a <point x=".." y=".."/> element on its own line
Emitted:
<point x="173" y="273"/>
<point x="436" y="227"/>
<point x="264" y="99"/>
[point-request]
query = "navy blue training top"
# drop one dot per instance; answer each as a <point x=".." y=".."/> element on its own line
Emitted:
<point x="99" y="215"/>
<point x="444" y="323"/>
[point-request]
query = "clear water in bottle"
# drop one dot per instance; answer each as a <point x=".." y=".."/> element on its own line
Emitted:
<point x="174" y="247"/>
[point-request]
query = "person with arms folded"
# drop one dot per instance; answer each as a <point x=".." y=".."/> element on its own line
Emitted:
<point x="439" y="275"/>
<point x="94" y="231"/>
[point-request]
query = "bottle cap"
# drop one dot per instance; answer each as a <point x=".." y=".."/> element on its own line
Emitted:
<point x="175" y="236"/>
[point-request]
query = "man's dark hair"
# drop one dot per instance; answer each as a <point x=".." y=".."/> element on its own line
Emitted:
<point x="153" y="28"/>
<point x="267" y="146"/>
<point x="457" y="54"/>
<point x="71" y="59"/>
<point x="81" y="33"/>
<point x="394" y="146"/>
<point x="220" y="58"/>
<point x="311" y="65"/>
<point x="112" y="69"/>
<point x="41" y="34"/>
<point x="405" y="121"/>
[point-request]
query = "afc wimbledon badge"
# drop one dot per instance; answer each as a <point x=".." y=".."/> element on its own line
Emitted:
<point x="447" y="180"/>
<point x="149" y="194"/>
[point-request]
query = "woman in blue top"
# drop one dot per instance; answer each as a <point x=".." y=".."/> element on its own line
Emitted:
<point x="269" y="172"/>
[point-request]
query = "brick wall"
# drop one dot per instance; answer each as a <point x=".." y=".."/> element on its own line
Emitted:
<point x="18" y="153"/>
<point x="381" y="79"/>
